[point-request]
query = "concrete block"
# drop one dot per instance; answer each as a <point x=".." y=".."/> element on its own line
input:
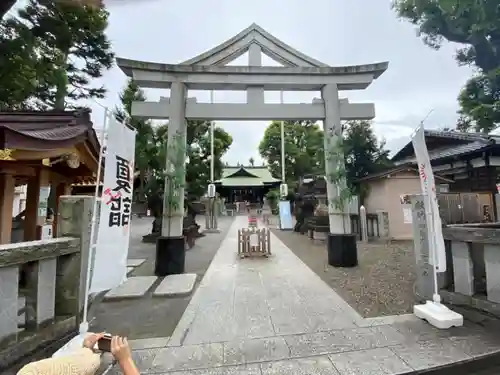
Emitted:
<point x="176" y="285"/>
<point x="378" y="361"/>
<point x="134" y="287"/>
<point x="135" y="262"/>
<point x="9" y="284"/>
<point x="311" y="366"/>
<point x="492" y="264"/>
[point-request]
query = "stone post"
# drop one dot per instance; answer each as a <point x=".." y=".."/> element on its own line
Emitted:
<point x="170" y="245"/>
<point x="363" y="224"/>
<point x="7" y="187"/>
<point x="383" y="224"/>
<point x="424" y="286"/>
<point x="211" y="213"/>
<point x="74" y="220"/>
<point x="341" y="243"/>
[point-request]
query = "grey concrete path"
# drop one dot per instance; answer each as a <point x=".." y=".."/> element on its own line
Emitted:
<point x="152" y="316"/>
<point x="276" y="316"/>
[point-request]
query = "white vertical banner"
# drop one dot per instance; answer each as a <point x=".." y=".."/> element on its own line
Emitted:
<point x="437" y="250"/>
<point x="110" y="259"/>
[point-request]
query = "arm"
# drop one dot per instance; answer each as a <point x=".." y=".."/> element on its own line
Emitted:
<point x="121" y="351"/>
<point x="128" y="367"/>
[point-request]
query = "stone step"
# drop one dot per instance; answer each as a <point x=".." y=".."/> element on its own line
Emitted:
<point x="134" y="287"/>
<point x="138" y="286"/>
<point x="135" y="262"/>
<point x="176" y="285"/>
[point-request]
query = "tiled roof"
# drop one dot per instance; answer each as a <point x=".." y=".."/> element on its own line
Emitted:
<point x="262" y="173"/>
<point x="241" y="181"/>
<point x="474" y="142"/>
<point x="47" y="130"/>
<point x="408" y="167"/>
<point x="450" y="151"/>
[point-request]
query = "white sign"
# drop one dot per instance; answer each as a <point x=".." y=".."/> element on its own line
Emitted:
<point x="407" y="215"/>
<point x="47" y="232"/>
<point x="434" y="227"/>
<point x="110" y="259"/>
<point x="43" y="201"/>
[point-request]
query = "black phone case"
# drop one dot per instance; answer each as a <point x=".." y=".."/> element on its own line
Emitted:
<point x="104" y="344"/>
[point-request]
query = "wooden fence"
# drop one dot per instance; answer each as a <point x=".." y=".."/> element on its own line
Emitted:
<point x="463" y="208"/>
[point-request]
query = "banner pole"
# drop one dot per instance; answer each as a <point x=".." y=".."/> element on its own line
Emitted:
<point x="84" y="325"/>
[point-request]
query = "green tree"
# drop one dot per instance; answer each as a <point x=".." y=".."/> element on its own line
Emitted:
<point x="198" y="152"/>
<point x="145" y="147"/>
<point x="476" y="26"/>
<point x="251" y="161"/>
<point x="68" y="47"/>
<point x="303" y="149"/>
<point x="21" y="66"/>
<point x="363" y="154"/>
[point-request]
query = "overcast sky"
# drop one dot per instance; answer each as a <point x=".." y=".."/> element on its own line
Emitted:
<point x="336" y="32"/>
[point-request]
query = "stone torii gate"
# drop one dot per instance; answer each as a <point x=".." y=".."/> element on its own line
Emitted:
<point x="209" y="71"/>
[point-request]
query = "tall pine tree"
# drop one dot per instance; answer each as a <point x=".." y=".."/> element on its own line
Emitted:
<point x="69" y="47"/>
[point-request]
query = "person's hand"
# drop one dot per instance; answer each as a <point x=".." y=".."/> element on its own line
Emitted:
<point x="91" y="339"/>
<point x="120" y="349"/>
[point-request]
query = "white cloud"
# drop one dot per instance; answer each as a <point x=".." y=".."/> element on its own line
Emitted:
<point x="337" y="32"/>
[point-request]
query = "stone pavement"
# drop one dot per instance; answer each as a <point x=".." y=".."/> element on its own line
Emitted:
<point x="276" y="316"/>
<point x="153" y="316"/>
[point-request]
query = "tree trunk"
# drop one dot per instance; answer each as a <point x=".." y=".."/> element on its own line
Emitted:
<point x="59" y="104"/>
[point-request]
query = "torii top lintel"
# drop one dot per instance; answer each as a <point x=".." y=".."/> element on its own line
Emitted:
<point x="236" y="46"/>
<point x="299" y="71"/>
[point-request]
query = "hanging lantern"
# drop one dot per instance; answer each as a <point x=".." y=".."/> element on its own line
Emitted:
<point x="73" y="161"/>
<point x="211" y="191"/>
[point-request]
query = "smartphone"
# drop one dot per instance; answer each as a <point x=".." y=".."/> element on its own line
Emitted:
<point x="104" y="344"/>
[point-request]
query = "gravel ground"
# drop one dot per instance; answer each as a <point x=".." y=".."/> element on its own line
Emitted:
<point x="382" y="284"/>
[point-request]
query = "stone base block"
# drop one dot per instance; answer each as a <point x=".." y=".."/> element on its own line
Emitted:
<point x="150" y="238"/>
<point x="176" y="285"/>
<point x="170" y="256"/>
<point x="211" y="230"/>
<point x="134" y="287"/>
<point x="342" y="250"/>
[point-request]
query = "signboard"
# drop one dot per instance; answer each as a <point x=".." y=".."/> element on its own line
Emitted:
<point x="406" y="204"/>
<point x="286" y="221"/>
<point x="110" y="259"/>
<point x="407" y="215"/>
<point x="434" y="226"/>
<point x="43" y="201"/>
<point x="47" y="232"/>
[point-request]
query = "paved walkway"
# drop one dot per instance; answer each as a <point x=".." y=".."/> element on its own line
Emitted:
<point x="276" y="316"/>
<point x="155" y="317"/>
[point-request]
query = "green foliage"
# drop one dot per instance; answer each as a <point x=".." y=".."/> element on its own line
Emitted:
<point x="476" y="26"/>
<point x="273" y="197"/>
<point x="304" y="152"/>
<point x="175" y="171"/>
<point x="21" y="70"/>
<point x="480" y="103"/>
<point x="336" y="174"/>
<point x="363" y="155"/>
<point x="303" y="149"/>
<point x="61" y="47"/>
<point x="198" y="152"/>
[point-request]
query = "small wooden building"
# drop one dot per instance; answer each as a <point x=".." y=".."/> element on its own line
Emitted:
<point x="466" y="169"/>
<point x="385" y="192"/>
<point x="241" y="183"/>
<point x="470" y="160"/>
<point x="42" y="149"/>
